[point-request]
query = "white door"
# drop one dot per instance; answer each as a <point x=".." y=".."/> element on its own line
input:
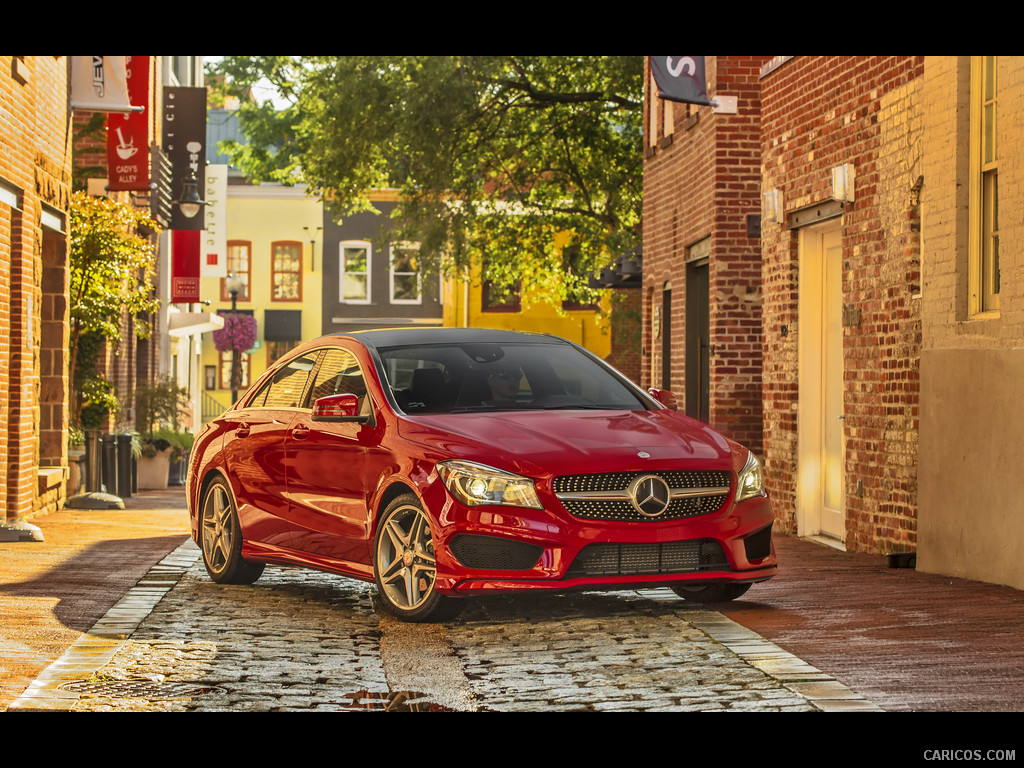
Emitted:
<point x="821" y="455"/>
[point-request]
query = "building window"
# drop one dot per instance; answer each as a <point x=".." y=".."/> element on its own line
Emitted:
<point x="495" y="297"/>
<point x="225" y="370"/>
<point x="355" y="272"/>
<point x="405" y="274"/>
<point x="286" y="271"/>
<point x="239" y="262"/>
<point x="498" y="298"/>
<point x="278" y="349"/>
<point x="579" y="297"/>
<point x="984" y="187"/>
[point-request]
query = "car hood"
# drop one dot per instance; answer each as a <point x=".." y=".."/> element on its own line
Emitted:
<point x="538" y="443"/>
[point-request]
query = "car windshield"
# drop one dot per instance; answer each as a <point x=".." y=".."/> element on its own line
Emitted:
<point x="462" y="378"/>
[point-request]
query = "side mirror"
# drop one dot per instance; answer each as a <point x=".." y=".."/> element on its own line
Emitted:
<point x="337" y="408"/>
<point x="663" y="396"/>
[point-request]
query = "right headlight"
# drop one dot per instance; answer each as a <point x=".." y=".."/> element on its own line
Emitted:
<point x="750" y="482"/>
<point x="475" y="484"/>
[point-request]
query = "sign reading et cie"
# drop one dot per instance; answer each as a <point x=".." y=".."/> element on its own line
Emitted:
<point x="184" y="142"/>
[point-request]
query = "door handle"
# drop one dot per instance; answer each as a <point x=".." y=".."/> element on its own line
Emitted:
<point x="300" y="432"/>
<point x="242" y="430"/>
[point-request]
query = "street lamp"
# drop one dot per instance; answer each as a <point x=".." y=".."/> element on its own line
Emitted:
<point x="190" y="204"/>
<point x="235" y="284"/>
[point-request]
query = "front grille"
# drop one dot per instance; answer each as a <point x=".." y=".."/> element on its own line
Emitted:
<point x="493" y="553"/>
<point x="648" y="559"/>
<point x="606" y="496"/>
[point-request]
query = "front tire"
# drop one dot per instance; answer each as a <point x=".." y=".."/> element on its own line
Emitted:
<point x="403" y="564"/>
<point x="221" y="538"/>
<point x="711" y="593"/>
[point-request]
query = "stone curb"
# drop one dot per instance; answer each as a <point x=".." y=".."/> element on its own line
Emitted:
<point x="97" y="647"/>
<point x="820" y="689"/>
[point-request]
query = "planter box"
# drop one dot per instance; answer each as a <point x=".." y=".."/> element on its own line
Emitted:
<point x="152" y="472"/>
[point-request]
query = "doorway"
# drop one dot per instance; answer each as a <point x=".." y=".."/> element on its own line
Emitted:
<point x="698" y="342"/>
<point x="821" y="486"/>
<point x="666" y="338"/>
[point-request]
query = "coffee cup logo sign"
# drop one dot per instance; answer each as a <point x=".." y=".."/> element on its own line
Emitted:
<point x="128" y="133"/>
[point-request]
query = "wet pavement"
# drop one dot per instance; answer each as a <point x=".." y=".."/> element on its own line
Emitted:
<point x="128" y="626"/>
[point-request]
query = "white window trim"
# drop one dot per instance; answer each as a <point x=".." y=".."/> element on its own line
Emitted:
<point x="419" y="273"/>
<point x="341" y="270"/>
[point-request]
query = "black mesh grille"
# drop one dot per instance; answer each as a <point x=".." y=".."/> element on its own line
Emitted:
<point x="623" y="510"/>
<point x="647" y="559"/>
<point x="493" y="553"/>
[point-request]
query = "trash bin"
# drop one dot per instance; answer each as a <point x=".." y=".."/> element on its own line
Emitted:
<point x="124" y="466"/>
<point x="108" y="445"/>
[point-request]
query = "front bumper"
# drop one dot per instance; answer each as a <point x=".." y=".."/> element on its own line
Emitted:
<point x="504" y="549"/>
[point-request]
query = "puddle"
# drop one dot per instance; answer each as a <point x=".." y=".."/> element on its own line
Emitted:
<point x="398" y="701"/>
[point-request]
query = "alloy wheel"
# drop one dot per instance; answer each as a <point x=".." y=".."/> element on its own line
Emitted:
<point x="405" y="558"/>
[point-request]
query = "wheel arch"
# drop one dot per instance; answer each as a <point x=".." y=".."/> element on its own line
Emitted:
<point x="392" y="492"/>
<point x="208" y="479"/>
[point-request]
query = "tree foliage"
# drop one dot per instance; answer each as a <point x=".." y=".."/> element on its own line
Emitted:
<point x="492" y="155"/>
<point x="112" y="260"/>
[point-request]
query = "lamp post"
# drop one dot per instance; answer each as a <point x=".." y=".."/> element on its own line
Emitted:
<point x="234" y="286"/>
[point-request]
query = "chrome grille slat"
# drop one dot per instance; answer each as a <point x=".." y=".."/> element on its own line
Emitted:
<point x="606" y="496"/>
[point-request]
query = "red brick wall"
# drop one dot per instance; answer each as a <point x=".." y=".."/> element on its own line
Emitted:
<point x="703" y="181"/>
<point x="35" y="168"/>
<point x="817" y="113"/>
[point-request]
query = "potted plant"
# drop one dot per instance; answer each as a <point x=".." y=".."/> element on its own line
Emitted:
<point x="76" y="461"/>
<point x="159" y="403"/>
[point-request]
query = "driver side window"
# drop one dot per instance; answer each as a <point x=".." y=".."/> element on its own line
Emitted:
<point x="286" y="387"/>
<point x="340" y="374"/>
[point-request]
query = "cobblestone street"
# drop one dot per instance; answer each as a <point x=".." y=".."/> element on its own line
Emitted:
<point x="303" y="640"/>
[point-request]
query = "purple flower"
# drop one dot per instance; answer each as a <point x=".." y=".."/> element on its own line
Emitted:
<point x="239" y="332"/>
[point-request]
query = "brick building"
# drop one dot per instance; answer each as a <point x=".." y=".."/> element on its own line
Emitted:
<point x="890" y="297"/>
<point x="35" y="186"/>
<point x="701" y="330"/>
<point x="842" y="288"/>
<point x="814" y="316"/>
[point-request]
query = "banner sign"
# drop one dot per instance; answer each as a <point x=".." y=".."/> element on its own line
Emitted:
<point x="185" y="272"/>
<point x="681" y="78"/>
<point x="184" y="141"/>
<point x="100" y="83"/>
<point x="214" y="242"/>
<point x="128" y="133"/>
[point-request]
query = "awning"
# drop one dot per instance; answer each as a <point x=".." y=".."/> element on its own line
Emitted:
<point x="193" y="323"/>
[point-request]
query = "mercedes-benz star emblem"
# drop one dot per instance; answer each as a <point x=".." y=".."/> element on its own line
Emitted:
<point x="650" y="495"/>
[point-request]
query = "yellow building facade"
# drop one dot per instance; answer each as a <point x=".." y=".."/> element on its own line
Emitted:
<point x="473" y="302"/>
<point x="274" y="245"/>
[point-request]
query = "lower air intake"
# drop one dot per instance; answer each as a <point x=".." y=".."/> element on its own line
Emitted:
<point x="648" y="559"/>
<point x="492" y="553"/>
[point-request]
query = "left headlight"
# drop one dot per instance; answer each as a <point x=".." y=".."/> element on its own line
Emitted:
<point x="475" y="484"/>
<point x="750" y="482"/>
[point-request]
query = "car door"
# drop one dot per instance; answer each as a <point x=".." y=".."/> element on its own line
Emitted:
<point x="255" y="453"/>
<point x="328" y="482"/>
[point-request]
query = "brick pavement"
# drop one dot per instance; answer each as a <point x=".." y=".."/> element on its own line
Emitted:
<point x="54" y="590"/>
<point x="905" y="640"/>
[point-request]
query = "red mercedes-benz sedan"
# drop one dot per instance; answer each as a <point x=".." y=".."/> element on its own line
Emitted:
<point x="443" y="463"/>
